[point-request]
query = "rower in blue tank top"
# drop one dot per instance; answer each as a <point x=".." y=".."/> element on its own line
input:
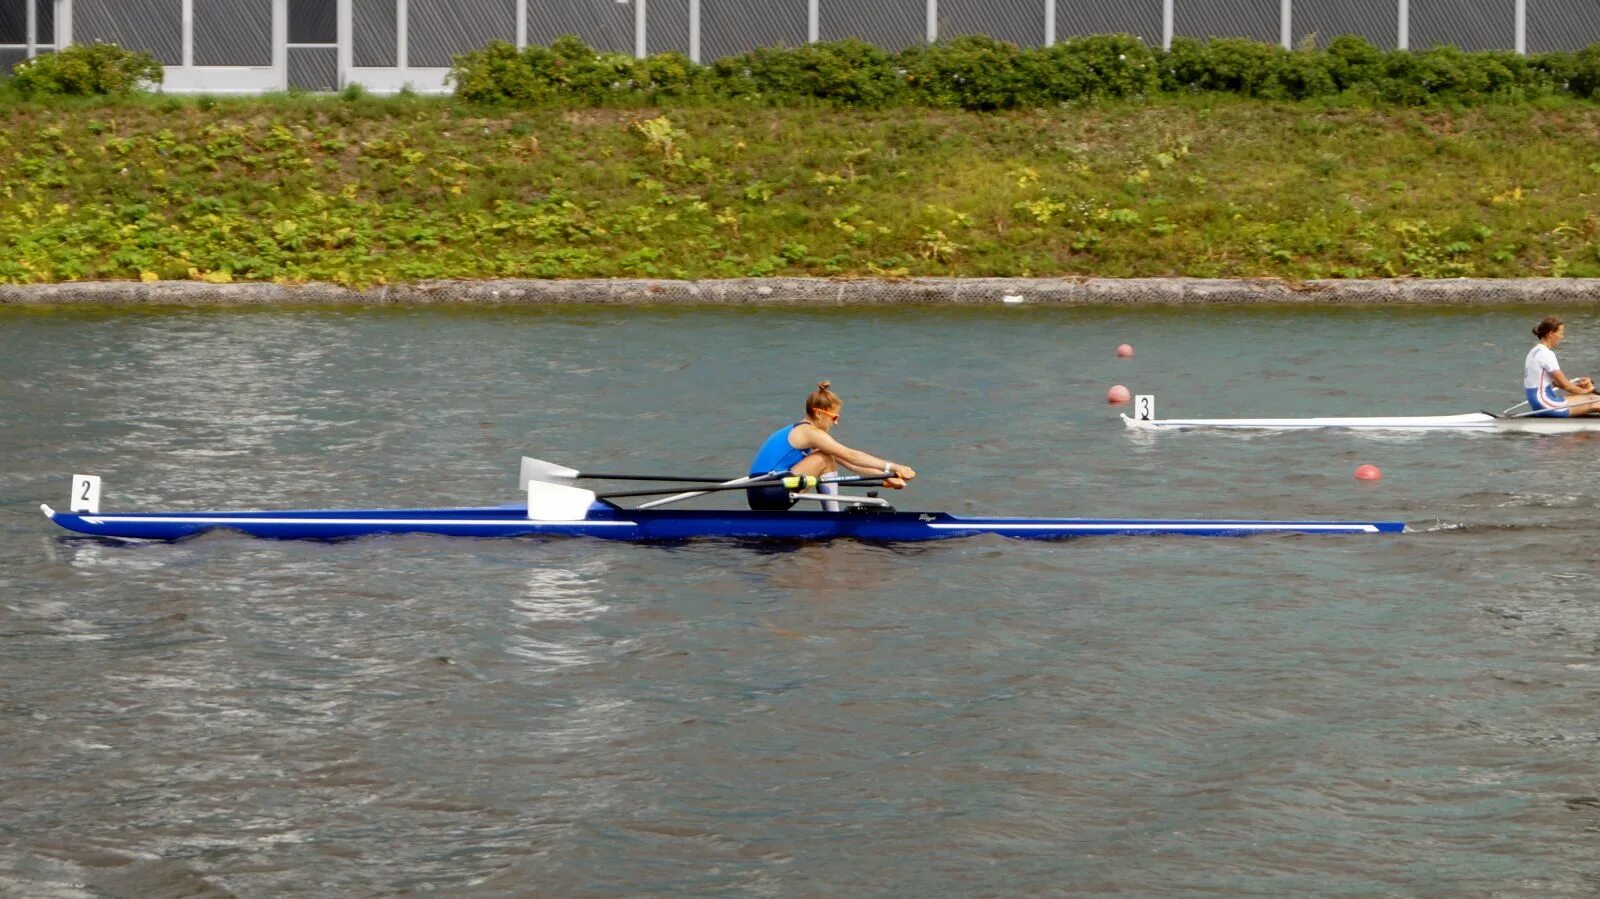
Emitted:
<point x="806" y="448"/>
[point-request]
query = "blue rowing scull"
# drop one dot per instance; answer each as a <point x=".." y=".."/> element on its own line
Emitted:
<point x="557" y="509"/>
<point x="613" y="523"/>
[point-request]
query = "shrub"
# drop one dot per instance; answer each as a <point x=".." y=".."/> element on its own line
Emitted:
<point x="1584" y="76"/>
<point x="1230" y="65"/>
<point x="848" y="72"/>
<point x="577" y="72"/>
<point x="1109" y="65"/>
<point x="1557" y="69"/>
<point x="1447" y="73"/>
<point x="669" y="74"/>
<point x="976" y="72"/>
<point x="566" y="71"/>
<point x="494" y="74"/>
<point x="971" y="72"/>
<point x="1302" y="74"/>
<point x="86" y="70"/>
<point x="1519" y="77"/>
<point x="1354" y="64"/>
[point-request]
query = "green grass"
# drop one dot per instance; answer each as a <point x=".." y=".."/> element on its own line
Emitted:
<point x="364" y="190"/>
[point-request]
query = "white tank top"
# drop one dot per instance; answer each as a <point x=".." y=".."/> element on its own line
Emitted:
<point x="1536" y="370"/>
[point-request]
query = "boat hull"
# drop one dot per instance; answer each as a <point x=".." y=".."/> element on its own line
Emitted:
<point x="652" y="525"/>
<point x="1481" y="422"/>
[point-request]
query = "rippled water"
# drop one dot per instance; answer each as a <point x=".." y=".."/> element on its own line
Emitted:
<point x="1410" y="715"/>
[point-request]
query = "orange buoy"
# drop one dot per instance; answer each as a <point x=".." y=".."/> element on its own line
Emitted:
<point x="1124" y="350"/>
<point x="1368" y="473"/>
<point x="1118" y="395"/>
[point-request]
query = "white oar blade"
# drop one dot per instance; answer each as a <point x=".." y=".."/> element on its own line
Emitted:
<point x="547" y="472"/>
<point x="558" y="502"/>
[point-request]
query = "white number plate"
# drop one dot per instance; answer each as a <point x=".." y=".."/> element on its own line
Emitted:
<point x="86" y="493"/>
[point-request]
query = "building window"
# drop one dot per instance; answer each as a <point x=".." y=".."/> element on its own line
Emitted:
<point x="313" y="22"/>
<point x="375" y="43"/>
<point x="46" y="34"/>
<point x="13" y="21"/>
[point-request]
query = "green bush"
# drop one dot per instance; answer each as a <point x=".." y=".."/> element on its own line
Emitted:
<point x="567" y="71"/>
<point x="1443" y="73"/>
<point x="496" y="74"/>
<point x="1240" y="66"/>
<point x="1303" y="74"/>
<point x="976" y="72"/>
<point x="575" y="71"/>
<point x="1584" y="74"/>
<point x="848" y="72"/>
<point x="85" y="70"/>
<point x="1107" y="65"/>
<point x="1449" y="75"/>
<point x="669" y="74"/>
<point x="1353" y="63"/>
<point x="971" y="72"/>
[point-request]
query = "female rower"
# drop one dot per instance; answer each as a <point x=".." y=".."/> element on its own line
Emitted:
<point x="1549" y="391"/>
<point x="806" y="448"/>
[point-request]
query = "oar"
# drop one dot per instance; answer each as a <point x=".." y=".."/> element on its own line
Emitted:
<point x="670" y="479"/>
<point x="1532" y="413"/>
<point x="762" y="481"/>
<point x="793" y="482"/>
<point x="842" y="500"/>
<point x="538" y="470"/>
<point x="551" y="473"/>
<point x="1505" y="412"/>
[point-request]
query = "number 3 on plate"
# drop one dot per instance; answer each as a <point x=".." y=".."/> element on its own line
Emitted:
<point x="1144" y="407"/>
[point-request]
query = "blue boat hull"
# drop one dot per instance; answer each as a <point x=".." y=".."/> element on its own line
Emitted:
<point x="662" y="525"/>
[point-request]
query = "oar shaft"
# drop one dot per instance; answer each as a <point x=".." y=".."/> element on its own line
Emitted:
<point x="649" y="477"/>
<point x="679" y="497"/>
<point x="793" y="481"/>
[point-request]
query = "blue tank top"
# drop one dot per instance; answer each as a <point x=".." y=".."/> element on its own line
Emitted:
<point x="776" y="454"/>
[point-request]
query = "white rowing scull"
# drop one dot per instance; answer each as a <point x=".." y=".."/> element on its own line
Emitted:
<point x="1144" y="419"/>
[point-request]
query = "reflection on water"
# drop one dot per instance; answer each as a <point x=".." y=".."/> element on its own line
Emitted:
<point x="556" y="599"/>
<point x="1283" y="716"/>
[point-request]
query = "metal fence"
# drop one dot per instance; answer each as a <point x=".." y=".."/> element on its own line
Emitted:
<point x="256" y="45"/>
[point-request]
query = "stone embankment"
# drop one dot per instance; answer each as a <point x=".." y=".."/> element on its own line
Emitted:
<point x="825" y="292"/>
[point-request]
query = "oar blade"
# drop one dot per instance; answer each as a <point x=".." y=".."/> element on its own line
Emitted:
<point x="558" y="502"/>
<point x="544" y="472"/>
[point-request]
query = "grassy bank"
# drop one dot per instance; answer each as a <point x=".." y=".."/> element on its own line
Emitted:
<point x="368" y="191"/>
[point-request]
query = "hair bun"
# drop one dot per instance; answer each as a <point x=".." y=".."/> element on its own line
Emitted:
<point x="824" y="385"/>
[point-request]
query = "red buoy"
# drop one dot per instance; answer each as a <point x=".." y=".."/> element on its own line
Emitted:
<point x="1368" y="473"/>
<point x="1118" y="395"/>
<point x="1124" y="350"/>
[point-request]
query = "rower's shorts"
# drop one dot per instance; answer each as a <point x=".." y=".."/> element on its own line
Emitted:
<point x="1542" y="406"/>
<point x="772" y="497"/>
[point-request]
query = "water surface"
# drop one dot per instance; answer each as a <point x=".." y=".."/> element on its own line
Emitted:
<point x="1410" y="715"/>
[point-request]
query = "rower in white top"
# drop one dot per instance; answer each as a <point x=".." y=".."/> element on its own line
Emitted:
<point x="1550" y="392"/>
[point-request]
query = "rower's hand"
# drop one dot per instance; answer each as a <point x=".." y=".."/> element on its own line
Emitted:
<point x="902" y="473"/>
<point x="1586" y="385"/>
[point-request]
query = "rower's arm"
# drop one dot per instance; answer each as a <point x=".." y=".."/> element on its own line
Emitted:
<point x="1561" y="380"/>
<point x="855" y="460"/>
